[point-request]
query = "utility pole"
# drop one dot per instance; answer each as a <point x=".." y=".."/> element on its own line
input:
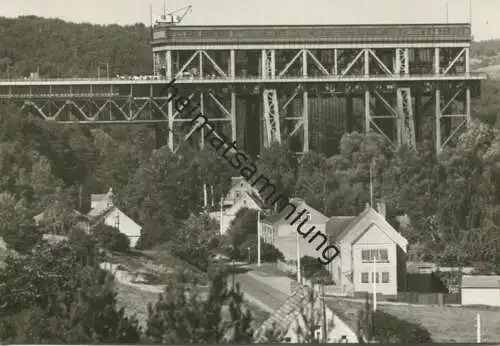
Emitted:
<point x="478" y="328"/>
<point x="447" y="5"/>
<point x="371" y="183"/>
<point x="221" y="218"/>
<point x="374" y="279"/>
<point x="299" y="279"/>
<point x="325" y="334"/>
<point x="258" y="238"/>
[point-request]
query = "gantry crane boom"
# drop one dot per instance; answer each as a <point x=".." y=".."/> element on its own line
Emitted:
<point x="169" y="18"/>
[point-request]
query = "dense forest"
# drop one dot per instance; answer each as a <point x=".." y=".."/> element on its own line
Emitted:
<point x="452" y="200"/>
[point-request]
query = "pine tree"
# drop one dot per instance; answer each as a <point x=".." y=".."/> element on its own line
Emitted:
<point x="56" y="295"/>
<point x="180" y="316"/>
<point x="240" y="325"/>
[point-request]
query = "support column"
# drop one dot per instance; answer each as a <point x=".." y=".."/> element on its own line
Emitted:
<point x="233" y="115"/>
<point x="305" y="115"/>
<point x="170" y="112"/>
<point x="263" y="63"/>
<point x="417" y="116"/>
<point x="467" y="60"/>
<point x="335" y="62"/>
<point x="349" y="114"/>
<point x="366" y="61"/>
<point x="273" y="63"/>
<point x="200" y="61"/>
<point x="367" y="111"/>
<point x="467" y="104"/>
<point x="437" y="114"/>
<point x="232" y="64"/>
<point x="436" y="61"/>
<point x="202" y="111"/>
<point x="304" y="63"/>
<point x="168" y="61"/>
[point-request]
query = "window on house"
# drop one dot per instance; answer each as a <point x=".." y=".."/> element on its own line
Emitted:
<point x="364" y="278"/>
<point x="385" y="277"/>
<point x="380" y="255"/>
<point x="377" y="278"/>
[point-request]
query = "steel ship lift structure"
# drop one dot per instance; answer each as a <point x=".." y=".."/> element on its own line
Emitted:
<point x="408" y="82"/>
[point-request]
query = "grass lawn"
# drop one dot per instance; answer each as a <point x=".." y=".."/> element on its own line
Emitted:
<point x="135" y="301"/>
<point x="446" y="324"/>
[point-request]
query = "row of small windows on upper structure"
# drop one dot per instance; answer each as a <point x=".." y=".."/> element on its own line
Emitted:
<point x="365" y="278"/>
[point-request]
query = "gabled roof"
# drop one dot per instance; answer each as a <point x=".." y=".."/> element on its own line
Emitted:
<point x="251" y="190"/>
<point x="104" y="205"/>
<point x="256" y="198"/>
<point x="94" y="198"/>
<point x="40" y="217"/>
<point x="281" y="318"/>
<point x="339" y="227"/>
<point x="316" y="218"/>
<point x="480" y="281"/>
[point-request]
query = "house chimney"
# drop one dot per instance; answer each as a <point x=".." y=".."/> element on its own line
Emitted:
<point x="381" y="208"/>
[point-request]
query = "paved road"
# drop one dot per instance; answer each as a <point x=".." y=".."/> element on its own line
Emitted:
<point x="258" y="291"/>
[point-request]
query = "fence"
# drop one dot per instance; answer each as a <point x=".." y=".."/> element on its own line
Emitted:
<point x="429" y="298"/>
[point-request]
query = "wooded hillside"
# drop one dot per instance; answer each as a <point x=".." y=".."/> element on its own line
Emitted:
<point x="62" y="49"/>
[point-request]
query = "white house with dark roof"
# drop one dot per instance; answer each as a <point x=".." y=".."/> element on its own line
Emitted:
<point x="104" y="211"/>
<point x="363" y="239"/>
<point x="288" y="318"/>
<point x="239" y="188"/>
<point x="481" y="290"/>
<point x="278" y="231"/>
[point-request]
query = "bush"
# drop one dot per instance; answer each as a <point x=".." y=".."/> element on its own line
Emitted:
<point x="193" y="255"/>
<point x="313" y="270"/>
<point x="268" y="252"/>
<point x="388" y="328"/>
<point x="385" y="328"/>
<point x="110" y="238"/>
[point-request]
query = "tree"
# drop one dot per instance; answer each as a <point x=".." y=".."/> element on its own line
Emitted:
<point x="243" y="225"/>
<point x="315" y="181"/>
<point x="181" y="316"/>
<point x="196" y="240"/>
<point x="163" y="193"/>
<point x="112" y="239"/>
<point x="378" y="326"/>
<point x="17" y="226"/>
<point x="58" y="294"/>
<point x="278" y="164"/>
<point x="310" y="318"/>
<point x="314" y="270"/>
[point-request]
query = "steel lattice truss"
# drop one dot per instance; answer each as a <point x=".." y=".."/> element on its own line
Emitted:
<point x="394" y="94"/>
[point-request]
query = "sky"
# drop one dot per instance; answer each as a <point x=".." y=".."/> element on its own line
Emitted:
<point x="267" y="12"/>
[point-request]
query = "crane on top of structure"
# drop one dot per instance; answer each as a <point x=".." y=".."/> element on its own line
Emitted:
<point x="172" y="19"/>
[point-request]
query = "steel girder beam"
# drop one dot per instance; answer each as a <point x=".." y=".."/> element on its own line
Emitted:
<point x="272" y="131"/>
